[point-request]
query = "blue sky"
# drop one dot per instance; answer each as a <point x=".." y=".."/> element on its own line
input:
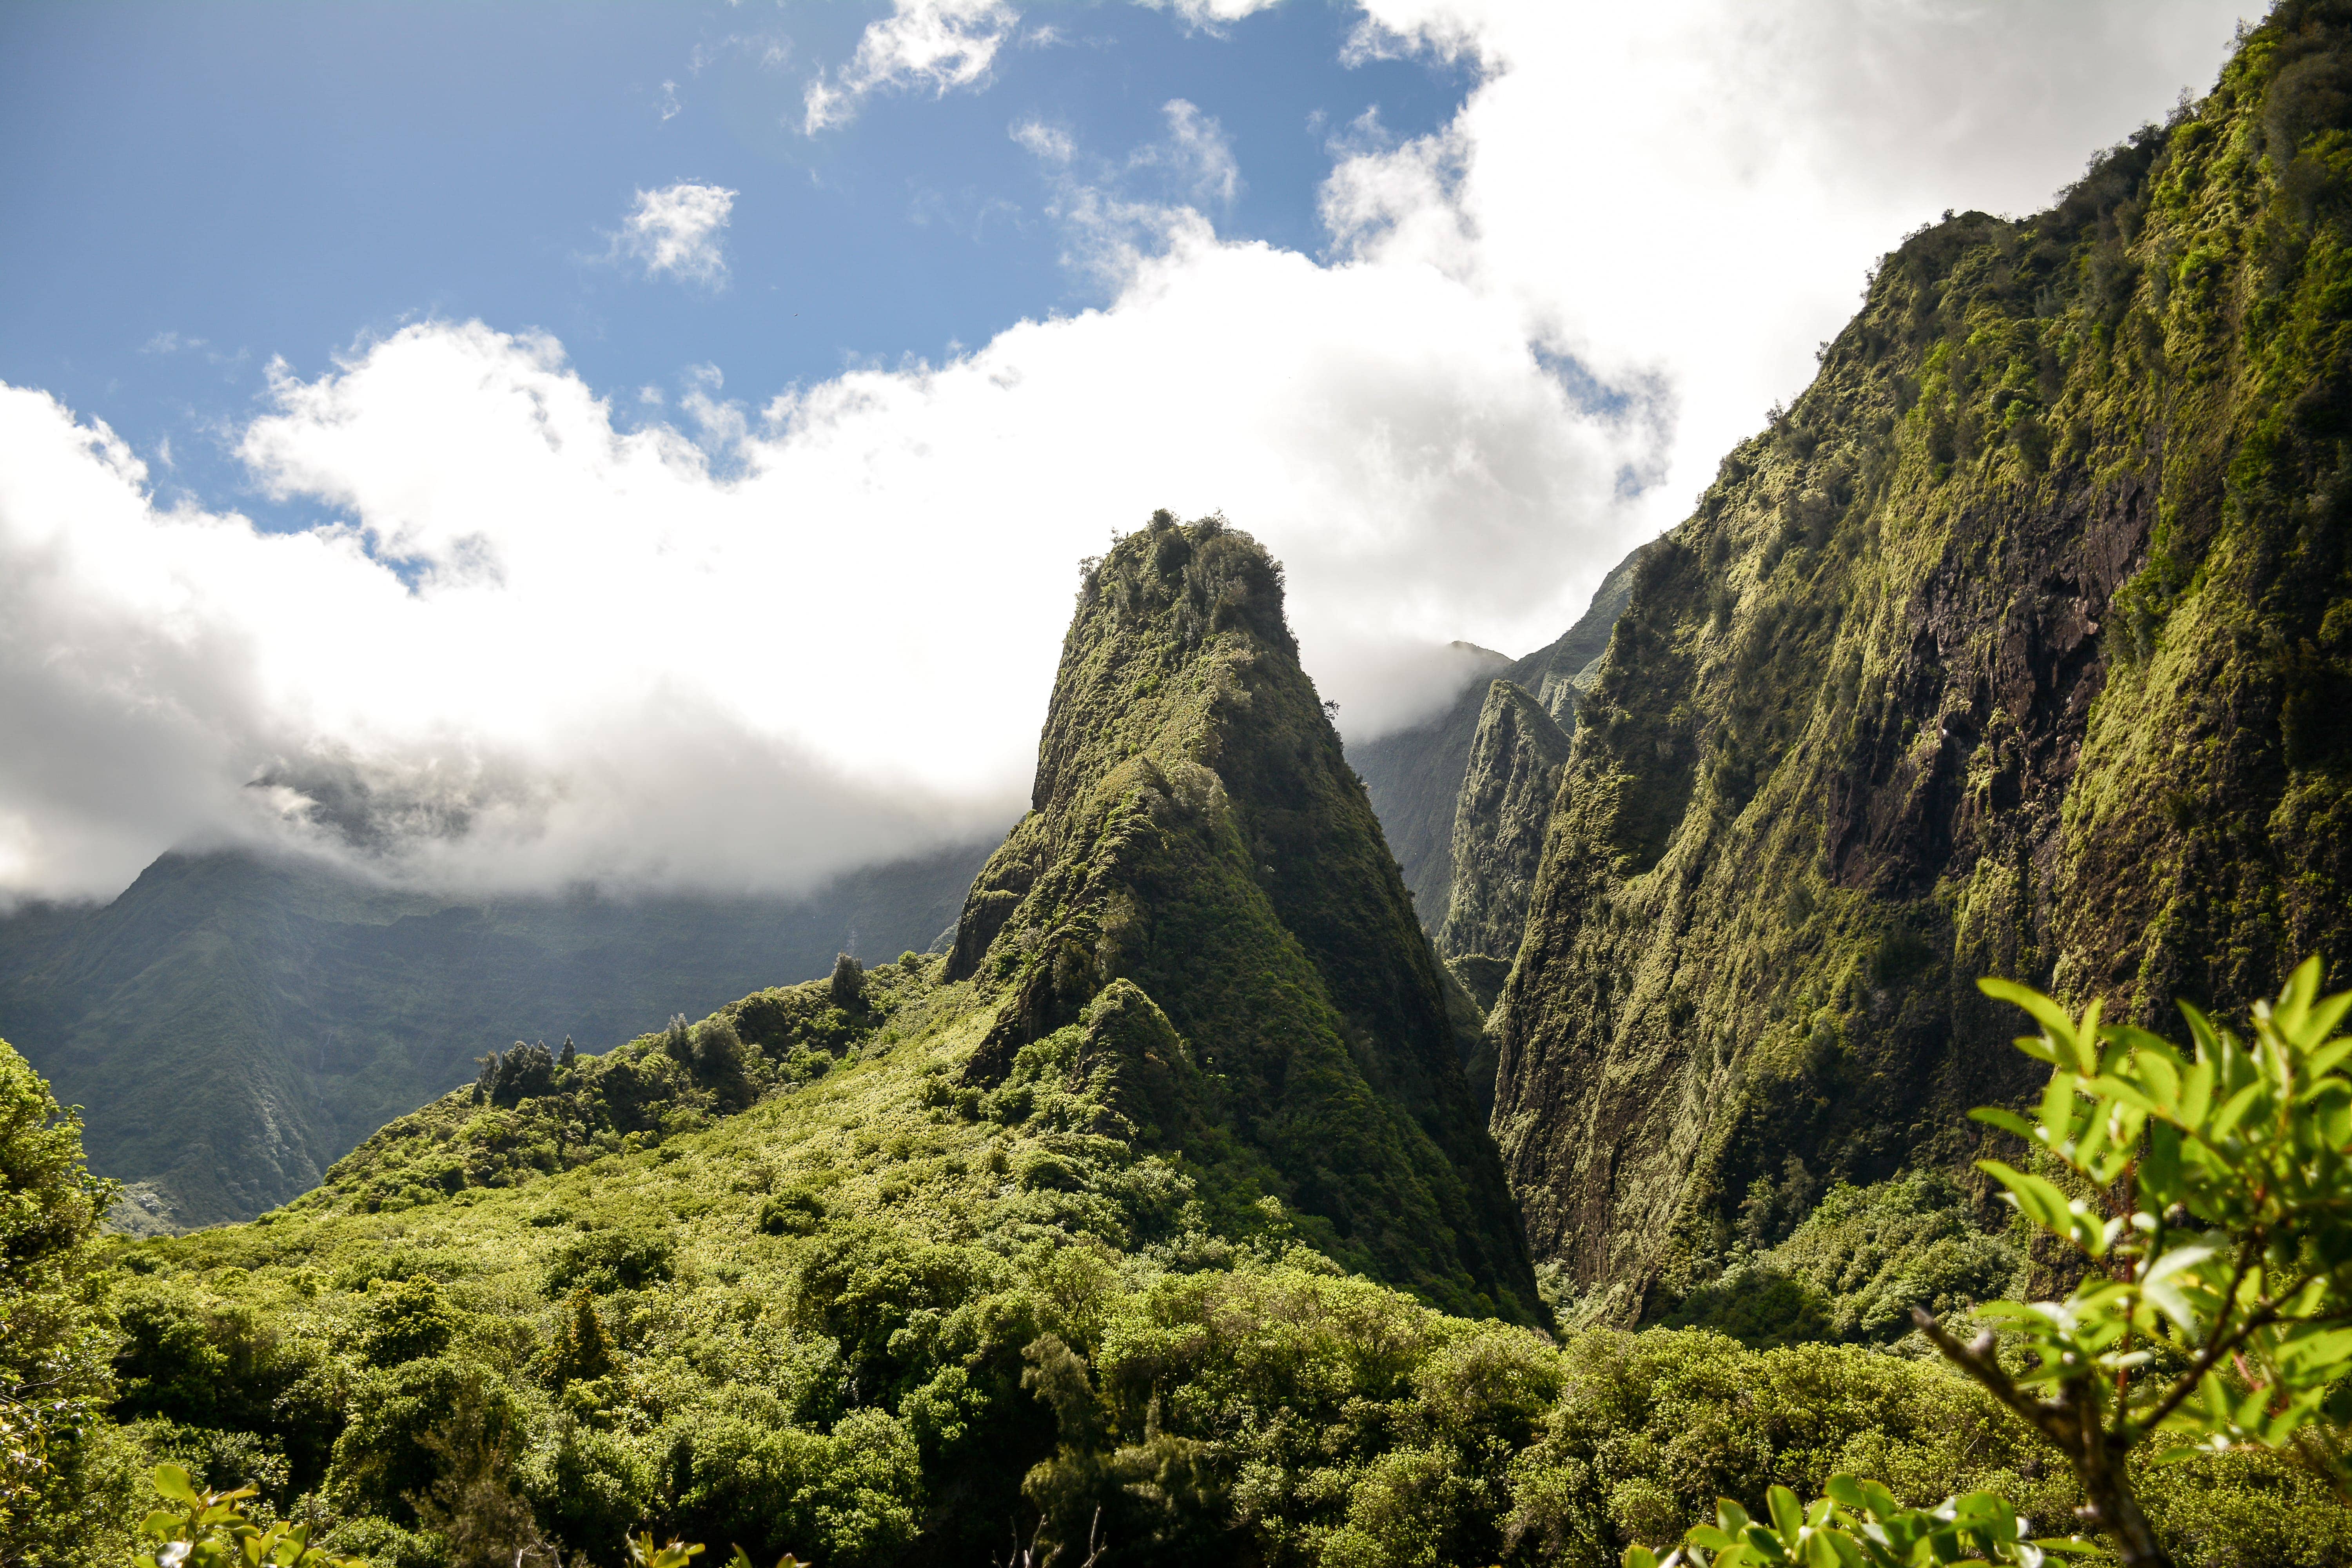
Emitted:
<point x="213" y="187"/>
<point x="661" y="437"/>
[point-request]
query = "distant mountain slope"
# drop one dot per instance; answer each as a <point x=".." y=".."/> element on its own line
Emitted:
<point x="232" y="1026"/>
<point x="2022" y="645"/>
<point x="1197" y="832"/>
<point x="1414" y="776"/>
<point x="1505" y="803"/>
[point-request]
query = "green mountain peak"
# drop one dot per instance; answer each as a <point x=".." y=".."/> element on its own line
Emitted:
<point x="1197" y="833"/>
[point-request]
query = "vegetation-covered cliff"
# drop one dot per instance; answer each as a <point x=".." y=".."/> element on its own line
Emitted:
<point x="1197" y="832"/>
<point x="1507" y="785"/>
<point x="2018" y="645"/>
<point x="232" y="1026"/>
<point x="1415" y="775"/>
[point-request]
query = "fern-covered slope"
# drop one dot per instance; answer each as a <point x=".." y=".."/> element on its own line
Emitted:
<point x="2006" y="650"/>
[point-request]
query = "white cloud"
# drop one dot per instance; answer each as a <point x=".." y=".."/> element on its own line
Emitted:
<point x="1211" y="15"/>
<point x="1052" y="144"/>
<point x="766" y="643"/>
<point x="679" y="230"/>
<point x="1197" y="154"/>
<point x="1687" y="195"/>
<point x="584" y="651"/>
<point x="944" y="44"/>
<point x="1115" y="213"/>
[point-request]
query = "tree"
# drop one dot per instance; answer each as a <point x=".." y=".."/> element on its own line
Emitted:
<point x="848" y="983"/>
<point x="2208" y="1194"/>
<point x="55" y="1367"/>
<point x="581" y="1349"/>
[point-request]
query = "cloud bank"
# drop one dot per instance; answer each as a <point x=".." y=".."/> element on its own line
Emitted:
<point x="547" y="642"/>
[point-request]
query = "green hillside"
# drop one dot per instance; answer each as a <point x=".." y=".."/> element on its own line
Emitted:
<point x="1154" y="1219"/>
<point x="879" y="1316"/>
<point x="232" y="1025"/>
<point x="2016" y="645"/>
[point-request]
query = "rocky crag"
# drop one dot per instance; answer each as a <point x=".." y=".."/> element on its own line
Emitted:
<point x="1507" y="785"/>
<point x="2020" y="645"/>
<point x="1415" y="776"/>
<point x="1197" y="833"/>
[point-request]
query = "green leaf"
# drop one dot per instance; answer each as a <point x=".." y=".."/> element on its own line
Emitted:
<point x="2058" y="1109"/>
<point x="175" y="1483"/>
<point x="2037" y="1199"/>
<point x="1787" y="1514"/>
<point x="2201" y="1031"/>
<point x="1729" y="1515"/>
<point x="2196" y="1092"/>
<point x="2159" y="1166"/>
<point x="2325" y="1059"/>
<point x="2226" y="1118"/>
<point x="2296" y="996"/>
<point x="2055" y="1023"/>
<point x="1635" y="1557"/>
<point x="2007" y="1120"/>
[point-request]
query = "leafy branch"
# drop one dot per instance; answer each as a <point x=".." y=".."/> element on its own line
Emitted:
<point x="2215" y="1306"/>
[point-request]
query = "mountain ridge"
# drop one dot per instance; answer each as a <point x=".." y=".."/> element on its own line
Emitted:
<point x="2000" y="652"/>
<point x="232" y="1025"/>
<point x="1415" y="774"/>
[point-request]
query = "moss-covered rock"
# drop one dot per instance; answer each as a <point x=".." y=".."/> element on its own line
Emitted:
<point x="2003" y="650"/>
<point x="1415" y="775"/>
<point x="1196" y="832"/>
<point x="1500" y="818"/>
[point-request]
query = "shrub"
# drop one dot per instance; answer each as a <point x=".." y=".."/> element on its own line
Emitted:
<point x="614" y="1259"/>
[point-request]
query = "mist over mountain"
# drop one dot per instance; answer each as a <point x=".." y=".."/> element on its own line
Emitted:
<point x="233" y="1024"/>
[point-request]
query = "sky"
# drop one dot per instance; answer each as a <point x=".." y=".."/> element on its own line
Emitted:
<point x="506" y="446"/>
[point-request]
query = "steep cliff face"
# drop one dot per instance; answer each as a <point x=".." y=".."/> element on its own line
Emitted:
<point x="1197" y="832"/>
<point x="2005" y="651"/>
<point x="1505" y="803"/>
<point x="1414" y="776"/>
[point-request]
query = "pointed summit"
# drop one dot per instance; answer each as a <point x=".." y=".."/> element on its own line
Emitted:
<point x="1195" y="831"/>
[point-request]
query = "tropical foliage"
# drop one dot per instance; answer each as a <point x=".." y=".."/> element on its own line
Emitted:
<point x="2206" y="1196"/>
